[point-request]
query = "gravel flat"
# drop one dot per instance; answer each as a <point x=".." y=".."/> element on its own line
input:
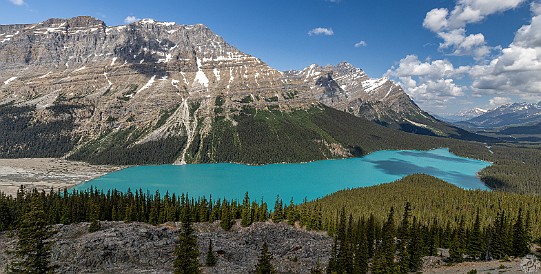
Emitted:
<point x="46" y="173"/>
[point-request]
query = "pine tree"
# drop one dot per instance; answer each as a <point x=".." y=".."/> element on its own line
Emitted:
<point x="34" y="245"/>
<point x="384" y="257"/>
<point x="226" y="221"/>
<point x="361" y="254"/>
<point x="456" y="249"/>
<point x="187" y="252"/>
<point x="403" y="235"/>
<point x="291" y="213"/>
<point x="331" y="266"/>
<point x="475" y="247"/>
<point x="264" y="265"/>
<point x="342" y="247"/>
<point x="94" y="218"/>
<point x="415" y="247"/>
<point x="277" y="215"/>
<point x="520" y="237"/>
<point x="370" y="235"/>
<point x="210" y="259"/>
<point x="246" y="214"/>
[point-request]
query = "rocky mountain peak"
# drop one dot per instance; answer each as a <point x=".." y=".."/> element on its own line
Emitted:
<point x="73" y="23"/>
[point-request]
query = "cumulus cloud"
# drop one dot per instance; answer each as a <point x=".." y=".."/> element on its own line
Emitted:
<point x="429" y="82"/>
<point x="436" y="93"/>
<point x="517" y="69"/>
<point x="462" y="44"/>
<point x="411" y="66"/>
<point x="131" y="19"/>
<point x="466" y="12"/>
<point x="450" y="25"/>
<point x="436" y="20"/>
<point x="17" y="2"/>
<point x="361" y="44"/>
<point x="321" y="31"/>
<point x="498" y="101"/>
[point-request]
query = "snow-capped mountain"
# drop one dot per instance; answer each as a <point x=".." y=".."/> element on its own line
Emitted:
<point x="84" y="86"/>
<point x="508" y="115"/>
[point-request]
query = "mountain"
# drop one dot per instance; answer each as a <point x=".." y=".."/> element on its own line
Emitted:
<point x="347" y="88"/>
<point x="158" y="92"/>
<point x="507" y="115"/>
<point x="472" y="113"/>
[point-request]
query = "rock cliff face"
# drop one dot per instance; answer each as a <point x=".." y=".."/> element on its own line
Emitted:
<point x="141" y="248"/>
<point x="79" y="87"/>
<point x="349" y="89"/>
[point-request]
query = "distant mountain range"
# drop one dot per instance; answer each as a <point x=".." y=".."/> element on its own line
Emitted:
<point x="161" y="92"/>
<point x="516" y="114"/>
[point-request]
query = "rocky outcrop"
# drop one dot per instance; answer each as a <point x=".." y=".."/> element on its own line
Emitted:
<point x="141" y="248"/>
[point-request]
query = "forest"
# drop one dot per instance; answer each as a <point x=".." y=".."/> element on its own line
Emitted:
<point x="259" y="137"/>
<point x="422" y="212"/>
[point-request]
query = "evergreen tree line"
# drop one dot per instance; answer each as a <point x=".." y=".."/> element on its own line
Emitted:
<point x="398" y="245"/>
<point x="431" y="199"/>
<point x="361" y="240"/>
<point x="93" y="205"/>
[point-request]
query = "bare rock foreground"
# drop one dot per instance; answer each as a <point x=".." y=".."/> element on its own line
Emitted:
<point x="141" y="248"/>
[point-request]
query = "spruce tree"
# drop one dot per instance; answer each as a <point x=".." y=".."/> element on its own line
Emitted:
<point x="33" y="245"/>
<point x="210" y="259"/>
<point x="226" y="221"/>
<point x="277" y="215"/>
<point x="94" y="218"/>
<point x="187" y="251"/>
<point x="264" y="265"/>
<point x="475" y="247"/>
<point x="291" y="213"/>
<point x="415" y="247"/>
<point x="342" y="248"/>
<point x="520" y="237"/>
<point x="246" y="214"/>
<point x="456" y="249"/>
<point x="384" y="257"/>
<point x="370" y="235"/>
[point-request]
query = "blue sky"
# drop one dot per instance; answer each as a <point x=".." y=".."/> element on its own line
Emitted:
<point x="448" y="55"/>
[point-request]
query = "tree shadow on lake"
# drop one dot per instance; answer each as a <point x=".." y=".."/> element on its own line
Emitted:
<point x="403" y="168"/>
<point x="435" y="156"/>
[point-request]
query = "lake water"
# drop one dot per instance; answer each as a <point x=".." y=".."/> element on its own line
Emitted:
<point x="311" y="180"/>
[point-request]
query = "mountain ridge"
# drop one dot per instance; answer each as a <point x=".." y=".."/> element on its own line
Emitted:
<point x="88" y="89"/>
<point x="515" y="114"/>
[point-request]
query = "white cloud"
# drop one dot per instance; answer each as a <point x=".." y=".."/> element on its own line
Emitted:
<point x="131" y="19"/>
<point x="411" y="66"/>
<point x="517" y="69"/>
<point x="321" y="31"/>
<point x="498" y="101"/>
<point x="429" y="82"/>
<point x="17" y="2"/>
<point x="436" y="93"/>
<point x="436" y="19"/>
<point x="361" y="44"/>
<point x="450" y="25"/>
<point x="473" y="44"/>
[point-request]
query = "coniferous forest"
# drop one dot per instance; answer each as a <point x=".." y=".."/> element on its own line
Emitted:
<point x="389" y="227"/>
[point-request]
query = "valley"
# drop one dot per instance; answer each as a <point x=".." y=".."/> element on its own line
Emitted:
<point x="148" y="112"/>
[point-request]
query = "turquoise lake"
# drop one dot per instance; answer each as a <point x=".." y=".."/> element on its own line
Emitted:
<point x="311" y="180"/>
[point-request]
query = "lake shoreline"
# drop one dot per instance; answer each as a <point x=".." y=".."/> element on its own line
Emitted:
<point x="57" y="173"/>
<point x="298" y="180"/>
